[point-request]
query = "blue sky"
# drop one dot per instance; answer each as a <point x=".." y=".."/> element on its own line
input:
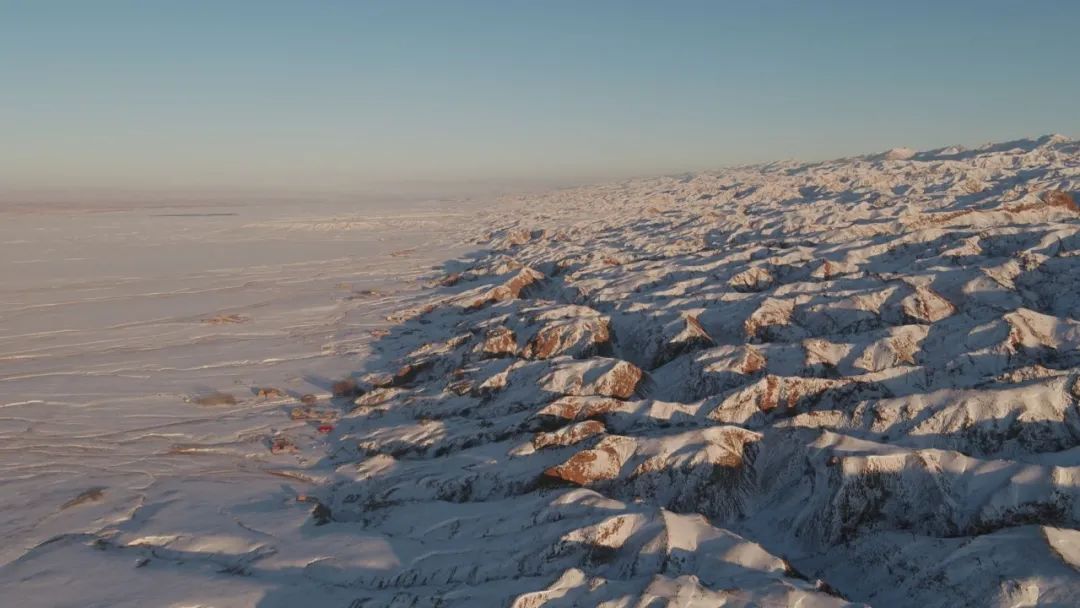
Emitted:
<point x="343" y="95"/>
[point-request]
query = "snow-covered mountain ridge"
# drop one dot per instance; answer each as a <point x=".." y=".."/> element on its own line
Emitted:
<point x="812" y="384"/>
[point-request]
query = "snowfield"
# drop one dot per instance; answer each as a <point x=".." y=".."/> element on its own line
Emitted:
<point x="841" y="383"/>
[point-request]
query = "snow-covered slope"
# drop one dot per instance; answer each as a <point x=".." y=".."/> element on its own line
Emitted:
<point x="828" y="384"/>
<point x="792" y="383"/>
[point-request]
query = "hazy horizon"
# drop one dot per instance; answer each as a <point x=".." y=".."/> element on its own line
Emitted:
<point x="267" y="96"/>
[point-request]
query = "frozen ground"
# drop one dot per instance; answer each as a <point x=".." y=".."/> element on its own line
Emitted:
<point x="827" y="384"/>
<point x="113" y="318"/>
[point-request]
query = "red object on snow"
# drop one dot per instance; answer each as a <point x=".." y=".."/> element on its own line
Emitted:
<point x="325" y="428"/>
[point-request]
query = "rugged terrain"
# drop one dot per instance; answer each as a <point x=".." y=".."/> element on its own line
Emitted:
<point x="790" y="384"/>
<point x="826" y="384"/>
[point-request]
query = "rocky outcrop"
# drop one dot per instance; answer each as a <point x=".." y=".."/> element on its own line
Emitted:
<point x="575" y="433"/>
<point x="926" y="306"/>
<point x="574" y="337"/>
<point x="579" y="408"/>
<point x="601" y="463"/>
<point x="769" y="321"/>
<point x="692" y="336"/>
<point x="1061" y="199"/>
<point x="509" y="289"/>
<point x="599" y="376"/>
<point x="752" y="280"/>
<point x="499" y="342"/>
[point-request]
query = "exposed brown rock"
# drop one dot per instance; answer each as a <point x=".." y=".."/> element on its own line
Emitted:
<point x="509" y="290"/>
<point x="269" y="392"/>
<point x="752" y="362"/>
<point x="281" y="444"/>
<point x="408" y="314"/>
<point x="597" y="464"/>
<point x="377" y="397"/>
<point x="345" y="388"/>
<point x="461" y="387"/>
<point x="771" y="314"/>
<point x="770" y="397"/>
<point x="379" y="379"/>
<point x="826" y="270"/>
<point x="597" y="376"/>
<point x="621" y="381"/>
<point x="1027" y="374"/>
<point x="450" y="280"/>
<point x="568" y="435"/>
<point x="499" y="342"/>
<point x="904" y="347"/>
<point x="1060" y="198"/>
<point x="787" y="392"/>
<point x="752" y="280"/>
<point x="579" y="408"/>
<point x="772" y="393"/>
<point x="495" y="382"/>
<point x="408" y="372"/>
<point x="926" y="306"/>
<point x="1050" y="198"/>
<point x="575" y="337"/>
<point x="524" y="278"/>
<point x="310" y="413"/>
<point x="516" y="237"/>
<point x="692" y="337"/>
<point x="723" y="446"/>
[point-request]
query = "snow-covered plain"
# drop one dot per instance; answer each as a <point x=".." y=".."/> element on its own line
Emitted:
<point x="115" y="318"/>
<point x="826" y="384"/>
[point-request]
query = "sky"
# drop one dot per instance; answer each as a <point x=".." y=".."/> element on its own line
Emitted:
<point x="342" y="96"/>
